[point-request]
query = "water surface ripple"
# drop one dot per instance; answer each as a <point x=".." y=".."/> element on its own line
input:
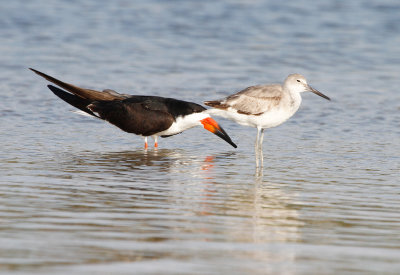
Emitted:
<point x="79" y="196"/>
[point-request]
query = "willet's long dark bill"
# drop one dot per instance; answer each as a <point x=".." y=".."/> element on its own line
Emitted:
<point x="263" y="106"/>
<point x="141" y="115"/>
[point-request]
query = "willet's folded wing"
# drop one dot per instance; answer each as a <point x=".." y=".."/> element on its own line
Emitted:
<point x="254" y="100"/>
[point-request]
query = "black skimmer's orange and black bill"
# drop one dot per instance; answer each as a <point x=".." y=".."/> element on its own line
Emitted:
<point x="138" y="114"/>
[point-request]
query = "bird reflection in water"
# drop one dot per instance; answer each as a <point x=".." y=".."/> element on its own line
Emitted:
<point x="208" y="163"/>
<point x="221" y="198"/>
<point x="160" y="160"/>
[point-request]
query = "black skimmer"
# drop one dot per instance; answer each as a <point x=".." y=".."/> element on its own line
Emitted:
<point x="138" y="114"/>
<point x="263" y="106"/>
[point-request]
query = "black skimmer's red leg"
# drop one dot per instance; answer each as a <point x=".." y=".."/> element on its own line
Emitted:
<point x="138" y="114"/>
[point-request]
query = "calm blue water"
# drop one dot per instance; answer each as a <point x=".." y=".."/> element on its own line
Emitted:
<point x="78" y="196"/>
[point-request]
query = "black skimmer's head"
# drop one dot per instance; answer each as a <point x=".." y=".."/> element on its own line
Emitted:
<point x="141" y="115"/>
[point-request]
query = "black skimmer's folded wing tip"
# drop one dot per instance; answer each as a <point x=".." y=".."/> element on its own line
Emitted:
<point x="41" y="74"/>
<point x="82" y="92"/>
<point x="32" y="69"/>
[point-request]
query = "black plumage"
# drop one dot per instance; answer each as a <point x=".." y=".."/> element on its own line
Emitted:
<point x="137" y="114"/>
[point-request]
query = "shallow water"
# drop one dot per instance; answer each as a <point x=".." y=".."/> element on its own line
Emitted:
<point x="79" y="196"/>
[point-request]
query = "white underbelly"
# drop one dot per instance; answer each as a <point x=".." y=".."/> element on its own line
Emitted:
<point x="183" y="123"/>
<point x="267" y="120"/>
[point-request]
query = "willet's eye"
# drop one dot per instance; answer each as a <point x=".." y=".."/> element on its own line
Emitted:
<point x="298" y="80"/>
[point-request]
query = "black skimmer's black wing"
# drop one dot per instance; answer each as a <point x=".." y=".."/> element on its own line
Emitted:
<point x="141" y="115"/>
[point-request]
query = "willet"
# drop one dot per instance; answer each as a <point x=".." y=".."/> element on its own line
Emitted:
<point x="263" y="106"/>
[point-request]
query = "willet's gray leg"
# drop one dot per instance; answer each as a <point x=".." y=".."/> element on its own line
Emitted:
<point x="257" y="147"/>
<point x="260" y="147"/>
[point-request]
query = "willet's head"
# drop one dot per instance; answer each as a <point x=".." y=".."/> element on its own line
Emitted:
<point x="297" y="83"/>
